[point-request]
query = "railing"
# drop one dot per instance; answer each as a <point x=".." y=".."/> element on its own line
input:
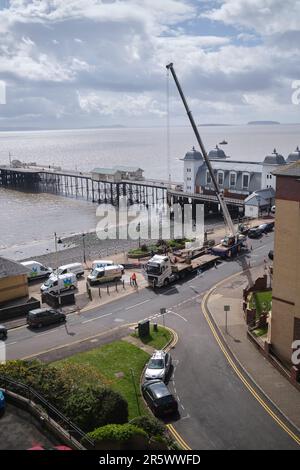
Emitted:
<point x="73" y="431"/>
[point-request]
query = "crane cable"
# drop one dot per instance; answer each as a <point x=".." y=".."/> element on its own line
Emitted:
<point x="168" y="127"/>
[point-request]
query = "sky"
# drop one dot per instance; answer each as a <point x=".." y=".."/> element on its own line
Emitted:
<point x="89" y="63"/>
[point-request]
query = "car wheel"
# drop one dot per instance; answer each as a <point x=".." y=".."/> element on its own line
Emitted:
<point x="72" y="288"/>
<point x="62" y="320"/>
<point x="40" y="325"/>
<point x="166" y="282"/>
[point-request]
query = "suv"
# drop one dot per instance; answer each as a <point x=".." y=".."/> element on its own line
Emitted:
<point x="3" y="332"/>
<point x="44" y="316"/>
<point x="159" y="366"/>
<point x="255" y="232"/>
<point x="159" y="398"/>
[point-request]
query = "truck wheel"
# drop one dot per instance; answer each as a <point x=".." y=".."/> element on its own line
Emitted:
<point x="166" y="282"/>
<point x="40" y="325"/>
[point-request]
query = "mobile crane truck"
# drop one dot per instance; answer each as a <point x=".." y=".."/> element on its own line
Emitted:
<point x="160" y="270"/>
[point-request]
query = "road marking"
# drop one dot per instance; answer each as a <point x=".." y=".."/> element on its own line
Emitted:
<point x="56" y="348"/>
<point x="137" y="305"/>
<point x="14" y="342"/>
<point x="178" y="438"/>
<point x="238" y="372"/>
<point x="97" y="318"/>
<point x="177" y="314"/>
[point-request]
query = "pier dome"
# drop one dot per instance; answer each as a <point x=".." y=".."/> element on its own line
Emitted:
<point x="294" y="156"/>
<point x="193" y="155"/>
<point x="217" y="153"/>
<point x="274" y="159"/>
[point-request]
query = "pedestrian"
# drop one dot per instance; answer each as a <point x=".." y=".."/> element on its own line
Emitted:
<point x="133" y="279"/>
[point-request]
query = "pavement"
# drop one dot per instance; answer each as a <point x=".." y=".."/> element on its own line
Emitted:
<point x="278" y="389"/>
<point x="220" y="406"/>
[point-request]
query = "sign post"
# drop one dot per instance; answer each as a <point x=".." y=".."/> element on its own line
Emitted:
<point x="226" y="310"/>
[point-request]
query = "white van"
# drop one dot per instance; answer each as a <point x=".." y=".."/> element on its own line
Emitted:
<point x="74" y="268"/>
<point x="37" y="270"/>
<point x="106" y="274"/>
<point x="55" y="284"/>
<point x="101" y="263"/>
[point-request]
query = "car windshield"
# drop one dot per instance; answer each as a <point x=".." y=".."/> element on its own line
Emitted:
<point x="167" y="400"/>
<point x="156" y="364"/>
<point x="48" y="283"/>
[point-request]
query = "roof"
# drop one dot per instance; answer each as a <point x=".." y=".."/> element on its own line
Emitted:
<point x="294" y="156"/>
<point x="9" y="268"/>
<point x="193" y="155"/>
<point x="261" y="197"/>
<point x="274" y="159"/>
<point x="132" y="169"/>
<point x="217" y="153"/>
<point x="292" y="170"/>
<point x="105" y="171"/>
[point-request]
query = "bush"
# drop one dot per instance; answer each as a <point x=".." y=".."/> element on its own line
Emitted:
<point x="89" y="405"/>
<point x="116" y="432"/>
<point x="144" y="248"/>
<point x="150" y="425"/>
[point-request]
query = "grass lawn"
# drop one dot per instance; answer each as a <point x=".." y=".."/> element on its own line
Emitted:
<point x="157" y="339"/>
<point x="114" y="362"/>
<point x="261" y="301"/>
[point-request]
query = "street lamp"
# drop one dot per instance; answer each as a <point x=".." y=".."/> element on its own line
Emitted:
<point x="58" y="241"/>
<point x="83" y="243"/>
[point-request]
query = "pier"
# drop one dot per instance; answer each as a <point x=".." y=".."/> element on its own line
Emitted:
<point x="82" y="185"/>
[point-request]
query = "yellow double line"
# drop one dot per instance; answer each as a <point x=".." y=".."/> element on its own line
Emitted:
<point x="178" y="438"/>
<point x="238" y="372"/>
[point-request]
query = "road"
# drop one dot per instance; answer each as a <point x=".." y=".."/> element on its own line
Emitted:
<point x="217" y="410"/>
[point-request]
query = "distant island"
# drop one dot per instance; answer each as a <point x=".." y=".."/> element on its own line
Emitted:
<point x="263" y="123"/>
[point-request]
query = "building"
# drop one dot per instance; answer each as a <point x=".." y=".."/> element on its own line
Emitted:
<point x="13" y="280"/>
<point x="258" y="202"/>
<point x="118" y="173"/>
<point x="285" y="321"/>
<point x="237" y="179"/>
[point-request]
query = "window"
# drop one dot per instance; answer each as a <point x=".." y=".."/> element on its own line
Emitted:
<point x="208" y="178"/>
<point x="220" y="178"/>
<point x="232" y="180"/>
<point x="246" y="181"/>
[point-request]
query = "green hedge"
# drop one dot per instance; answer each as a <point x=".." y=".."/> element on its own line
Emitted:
<point x="150" y="425"/>
<point x="116" y="432"/>
<point x="88" y="404"/>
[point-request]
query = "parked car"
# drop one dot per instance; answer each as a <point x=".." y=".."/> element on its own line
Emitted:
<point x="273" y="209"/>
<point x="37" y="270"/>
<point x="159" y="366"/>
<point x="62" y="283"/>
<point x="102" y="263"/>
<point x="3" y="332"/>
<point x="265" y="228"/>
<point x="255" y="232"/>
<point x="106" y="274"/>
<point x="271" y="255"/>
<point x="159" y="398"/>
<point x="73" y="268"/>
<point x="44" y="316"/>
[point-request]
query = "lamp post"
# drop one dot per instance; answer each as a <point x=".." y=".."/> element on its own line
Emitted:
<point x="57" y="242"/>
<point x="83" y="244"/>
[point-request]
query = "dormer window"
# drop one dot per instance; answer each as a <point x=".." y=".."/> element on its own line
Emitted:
<point x="208" y="178"/>
<point x="232" y="179"/>
<point x="221" y="178"/>
<point x="246" y="180"/>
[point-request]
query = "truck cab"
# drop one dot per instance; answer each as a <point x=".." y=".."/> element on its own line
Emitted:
<point x="158" y="271"/>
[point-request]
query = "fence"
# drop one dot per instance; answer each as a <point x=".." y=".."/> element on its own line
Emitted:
<point x="52" y="413"/>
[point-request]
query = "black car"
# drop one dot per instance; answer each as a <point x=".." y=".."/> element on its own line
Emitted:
<point x="159" y="398"/>
<point x="266" y="228"/>
<point x="3" y="332"/>
<point x="271" y="255"/>
<point x="255" y="232"/>
<point x="44" y="316"/>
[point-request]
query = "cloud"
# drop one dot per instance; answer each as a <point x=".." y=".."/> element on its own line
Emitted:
<point x="89" y="62"/>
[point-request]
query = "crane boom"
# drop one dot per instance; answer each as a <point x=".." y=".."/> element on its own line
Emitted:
<point x="219" y="194"/>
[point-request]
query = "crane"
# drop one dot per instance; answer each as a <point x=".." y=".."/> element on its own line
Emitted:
<point x="233" y="236"/>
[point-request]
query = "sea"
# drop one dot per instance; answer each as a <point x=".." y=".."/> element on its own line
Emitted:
<point x="28" y="221"/>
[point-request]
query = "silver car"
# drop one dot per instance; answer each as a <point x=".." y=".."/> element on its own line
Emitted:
<point x="159" y="366"/>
